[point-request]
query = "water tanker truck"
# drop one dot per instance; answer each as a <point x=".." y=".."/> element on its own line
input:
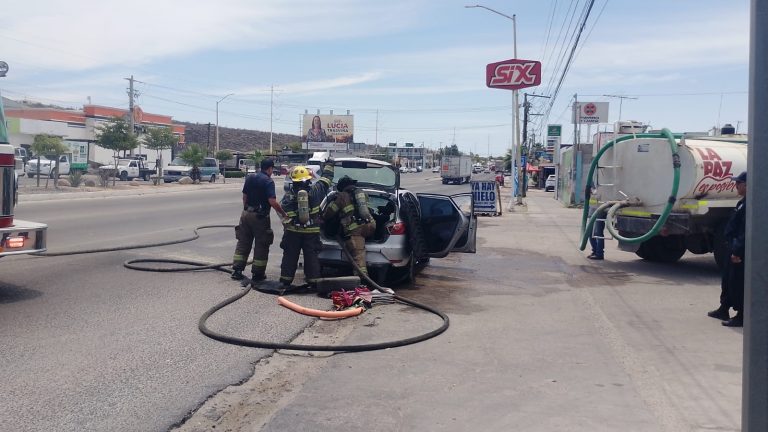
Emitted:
<point x="663" y="194"/>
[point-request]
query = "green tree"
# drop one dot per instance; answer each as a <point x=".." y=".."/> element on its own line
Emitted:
<point x="44" y="144"/>
<point x="223" y="156"/>
<point x="508" y="160"/>
<point x="256" y="157"/>
<point x="57" y="149"/>
<point x="159" y="139"/>
<point x="193" y="155"/>
<point x="116" y="135"/>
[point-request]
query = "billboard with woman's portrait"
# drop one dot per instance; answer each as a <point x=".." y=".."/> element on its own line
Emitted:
<point x="327" y="128"/>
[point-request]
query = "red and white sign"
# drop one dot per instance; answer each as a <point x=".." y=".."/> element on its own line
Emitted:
<point x="590" y="113"/>
<point x="513" y="74"/>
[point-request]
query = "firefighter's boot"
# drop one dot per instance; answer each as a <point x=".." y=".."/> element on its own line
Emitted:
<point x="237" y="275"/>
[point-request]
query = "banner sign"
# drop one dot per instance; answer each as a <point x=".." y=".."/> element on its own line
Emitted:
<point x="513" y="74"/>
<point x="486" y="196"/>
<point x="590" y="113"/>
<point x="328" y="128"/>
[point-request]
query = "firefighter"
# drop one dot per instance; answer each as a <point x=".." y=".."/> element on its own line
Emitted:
<point x="351" y="206"/>
<point x="255" y="229"/>
<point x="301" y="229"/>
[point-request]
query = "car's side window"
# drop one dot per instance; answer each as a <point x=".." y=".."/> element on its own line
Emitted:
<point x="439" y="219"/>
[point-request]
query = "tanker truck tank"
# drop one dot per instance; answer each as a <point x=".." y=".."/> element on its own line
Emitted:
<point x="635" y="176"/>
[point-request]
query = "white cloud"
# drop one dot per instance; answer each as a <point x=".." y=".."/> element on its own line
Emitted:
<point x="86" y="34"/>
<point x="308" y="87"/>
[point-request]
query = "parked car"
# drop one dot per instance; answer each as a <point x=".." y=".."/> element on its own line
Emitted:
<point x="419" y="168"/>
<point x="549" y="184"/>
<point x="436" y="169"/>
<point x="410" y="228"/>
<point x="403" y="169"/>
<point x="178" y="168"/>
<point x="412" y="170"/>
<point x="48" y="166"/>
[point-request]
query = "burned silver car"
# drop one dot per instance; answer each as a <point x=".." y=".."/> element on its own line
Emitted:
<point x="410" y="228"/>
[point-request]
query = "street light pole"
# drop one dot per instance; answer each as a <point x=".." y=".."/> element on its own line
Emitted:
<point x="515" y="108"/>
<point x="217" y="121"/>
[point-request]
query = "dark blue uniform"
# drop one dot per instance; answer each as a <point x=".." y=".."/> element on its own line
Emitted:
<point x="255" y="228"/>
<point x="735" y="236"/>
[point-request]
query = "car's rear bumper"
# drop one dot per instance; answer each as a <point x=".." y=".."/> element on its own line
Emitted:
<point x="331" y="255"/>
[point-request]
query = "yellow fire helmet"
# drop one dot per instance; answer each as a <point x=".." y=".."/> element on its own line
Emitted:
<point x="300" y="174"/>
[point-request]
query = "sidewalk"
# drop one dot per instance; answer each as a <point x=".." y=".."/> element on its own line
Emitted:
<point x="541" y="339"/>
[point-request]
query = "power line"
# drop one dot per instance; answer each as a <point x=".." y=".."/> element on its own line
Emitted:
<point x="573" y="52"/>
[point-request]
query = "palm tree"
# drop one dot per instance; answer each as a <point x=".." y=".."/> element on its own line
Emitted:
<point x="193" y="155"/>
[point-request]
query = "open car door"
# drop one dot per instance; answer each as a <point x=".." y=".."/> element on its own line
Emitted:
<point x="448" y="223"/>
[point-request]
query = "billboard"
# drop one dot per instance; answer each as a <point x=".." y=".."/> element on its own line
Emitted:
<point x="590" y="113"/>
<point x="327" y="128"/>
<point x="513" y="74"/>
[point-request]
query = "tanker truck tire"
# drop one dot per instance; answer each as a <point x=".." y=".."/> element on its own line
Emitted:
<point x="662" y="249"/>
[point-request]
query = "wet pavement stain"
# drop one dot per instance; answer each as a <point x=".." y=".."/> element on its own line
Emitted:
<point x="451" y="283"/>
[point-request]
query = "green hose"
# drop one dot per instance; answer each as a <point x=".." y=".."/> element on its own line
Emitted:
<point x="587" y="222"/>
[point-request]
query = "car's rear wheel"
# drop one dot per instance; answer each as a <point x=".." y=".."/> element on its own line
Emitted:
<point x="124" y="176"/>
<point x="147" y="177"/>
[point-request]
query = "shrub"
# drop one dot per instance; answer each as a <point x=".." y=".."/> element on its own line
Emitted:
<point x="234" y="174"/>
<point x="75" y="178"/>
<point x="104" y="176"/>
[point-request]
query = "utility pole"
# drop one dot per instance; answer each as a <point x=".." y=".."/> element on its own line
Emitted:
<point x="131" y="120"/>
<point x="576" y="120"/>
<point x="271" y="107"/>
<point x="754" y="415"/>
<point x="208" y="139"/>
<point x="377" y="128"/>
<point x="526" y="114"/>
<point x="621" y="101"/>
<point x="217" y="120"/>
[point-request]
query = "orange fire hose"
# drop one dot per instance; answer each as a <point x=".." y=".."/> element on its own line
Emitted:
<point x="319" y="313"/>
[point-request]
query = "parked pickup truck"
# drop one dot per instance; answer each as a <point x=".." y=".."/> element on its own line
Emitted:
<point x="178" y="168"/>
<point x="48" y="166"/>
<point x="129" y="169"/>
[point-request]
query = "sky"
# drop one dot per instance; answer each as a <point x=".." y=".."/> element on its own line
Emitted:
<point x="408" y="70"/>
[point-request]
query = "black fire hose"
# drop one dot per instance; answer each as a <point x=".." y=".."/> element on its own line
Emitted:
<point x="201" y="325"/>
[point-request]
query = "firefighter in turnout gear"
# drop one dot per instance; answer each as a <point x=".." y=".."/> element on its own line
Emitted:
<point x="255" y="229"/>
<point x="301" y="229"/>
<point x="351" y="206"/>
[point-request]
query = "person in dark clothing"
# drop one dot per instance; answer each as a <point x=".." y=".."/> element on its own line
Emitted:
<point x="597" y="240"/>
<point x="351" y="206"/>
<point x="301" y="232"/>
<point x="732" y="283"/>
<point x="255" y="229"/>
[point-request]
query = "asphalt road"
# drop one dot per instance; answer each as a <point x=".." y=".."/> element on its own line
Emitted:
<point x="89" y="345"/>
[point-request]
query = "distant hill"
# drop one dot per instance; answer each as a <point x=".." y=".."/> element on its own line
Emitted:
<point x="244" y="140"/>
